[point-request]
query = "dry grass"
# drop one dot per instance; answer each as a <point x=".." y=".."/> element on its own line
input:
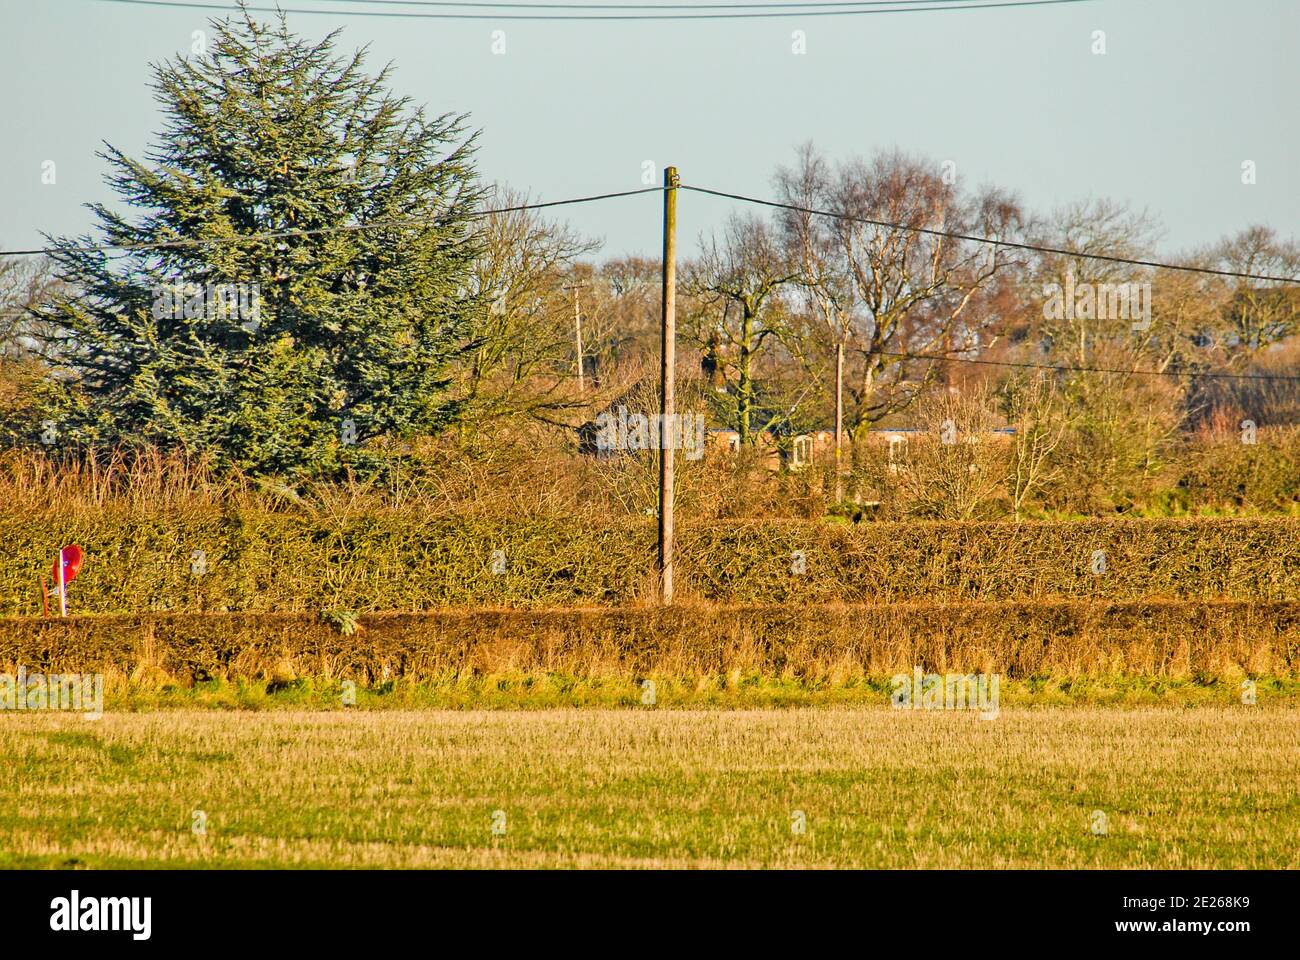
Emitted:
<point x="497" y="473"/>
<point x="148" y="479"/>
<point x="832" y="645"/>
<point x="1197" y="788"/>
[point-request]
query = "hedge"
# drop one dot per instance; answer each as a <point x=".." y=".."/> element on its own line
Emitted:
<point x="1072" y="638"/>
<point x="268" y="562"/>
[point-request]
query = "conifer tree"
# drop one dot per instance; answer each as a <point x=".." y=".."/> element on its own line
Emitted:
<point x="312" y="291"/>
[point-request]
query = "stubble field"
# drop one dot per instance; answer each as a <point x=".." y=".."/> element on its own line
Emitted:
<point x="1095" y="786"/>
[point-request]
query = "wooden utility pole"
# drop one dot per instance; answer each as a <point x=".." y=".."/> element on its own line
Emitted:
<point x="839" y="416"/>
<point x="667" y="399"/>
<point x="63" y="584"/>
<point x="577" y="326"/>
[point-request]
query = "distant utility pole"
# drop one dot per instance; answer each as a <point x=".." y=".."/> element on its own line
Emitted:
<point x="667" y="400"/>
<point x="577" y="326"/>
<point x="839" y="416"/>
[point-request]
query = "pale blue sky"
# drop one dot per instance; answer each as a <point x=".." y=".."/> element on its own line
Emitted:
<point x="1187" y="90"/>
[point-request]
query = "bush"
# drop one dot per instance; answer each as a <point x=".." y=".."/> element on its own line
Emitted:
<point x="835" y="644"/>
<point x="258" y="560"/>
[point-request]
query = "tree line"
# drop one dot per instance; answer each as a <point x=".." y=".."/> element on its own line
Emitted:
<point x="306" y="273"/>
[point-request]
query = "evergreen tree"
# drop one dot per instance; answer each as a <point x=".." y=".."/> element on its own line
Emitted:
<point x="280" y="353"/>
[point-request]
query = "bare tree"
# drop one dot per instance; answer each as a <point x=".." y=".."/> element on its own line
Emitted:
<point x="735" y="311"/>
<point x="810" y="240"/>
<point x="1075" y="324"/>
<point x="1040" y="419"/>
<point x="1260" y="313"/>
<point x="523" y="359"/>
<point x="24" y="283"/>
<point x="955" y="469"/>
<point x="915" y="290"/>
<point x="621" y="319"/>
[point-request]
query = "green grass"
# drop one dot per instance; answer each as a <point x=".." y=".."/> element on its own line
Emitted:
<point x="545" y="691"/>
<point x="1189" y="786"/>
<point x="736" y="690"/>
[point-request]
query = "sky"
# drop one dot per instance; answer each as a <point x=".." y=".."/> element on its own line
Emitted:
<point x="1184" y="94"/>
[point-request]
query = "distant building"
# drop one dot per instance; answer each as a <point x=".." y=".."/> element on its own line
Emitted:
<point x="810" y="447"/>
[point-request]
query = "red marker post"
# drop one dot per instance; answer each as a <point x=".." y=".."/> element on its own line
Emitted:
<point x="66" y="568"/>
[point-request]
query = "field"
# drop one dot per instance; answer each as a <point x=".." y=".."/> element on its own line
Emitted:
<point x="1197" y="787"/>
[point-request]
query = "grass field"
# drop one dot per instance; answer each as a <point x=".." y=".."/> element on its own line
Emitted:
<point x="1205" y="786"/>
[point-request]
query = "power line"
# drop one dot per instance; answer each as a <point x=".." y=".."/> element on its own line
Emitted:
<point x="930" y="231"/>
<point x="1063" y="369"/>
<point x="801" y="4"/>
<point x="345" y="228"/>
<point x="857" y="9"/>
<point x="380" y="224"/>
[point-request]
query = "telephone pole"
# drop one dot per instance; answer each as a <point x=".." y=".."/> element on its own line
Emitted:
<point x="577" y="327"/>
<point x="667" y="399"/>
<point x="839" y="417"/>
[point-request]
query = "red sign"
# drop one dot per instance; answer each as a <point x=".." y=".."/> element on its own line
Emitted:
<point x="71" y="557"/>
